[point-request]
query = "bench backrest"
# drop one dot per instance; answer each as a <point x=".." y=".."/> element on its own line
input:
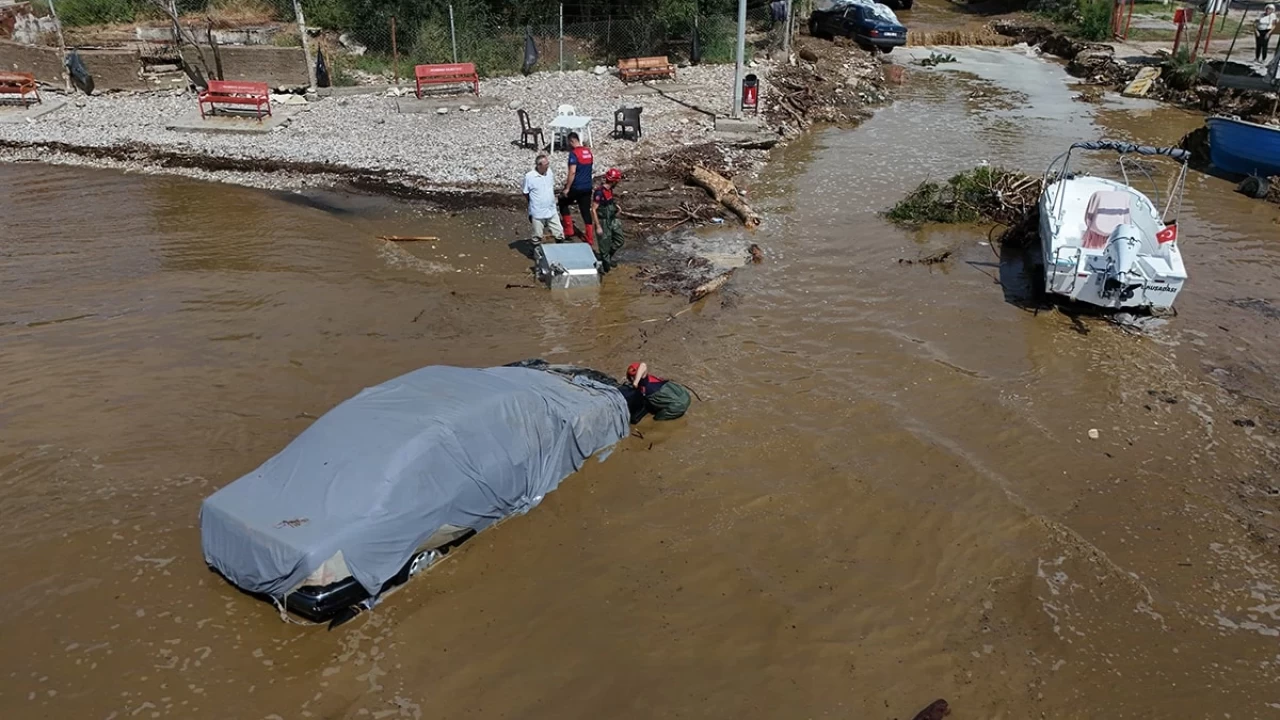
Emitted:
<point x="17" y="78"/>
<point x="231" y="87"/>
<point x="449" y="70"/>
<point x="643" y="63"/>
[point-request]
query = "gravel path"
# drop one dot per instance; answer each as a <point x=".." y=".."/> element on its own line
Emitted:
<point x="366" y="132"/>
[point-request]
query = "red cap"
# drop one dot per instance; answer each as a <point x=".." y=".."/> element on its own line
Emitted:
<point x="613" y="175"/>
<point x="632" y="369"/>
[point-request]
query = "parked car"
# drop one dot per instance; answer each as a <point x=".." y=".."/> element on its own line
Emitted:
<point x="871" y="25"/>
<point x="385" y="484"/>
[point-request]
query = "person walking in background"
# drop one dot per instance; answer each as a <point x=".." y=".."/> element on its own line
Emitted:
<point x="1263" y="26"/>
<point x="604" y="214"/>
<point x="540" y="191"/>
<point x="667" y="400"/>
<point x="577" y="189"/>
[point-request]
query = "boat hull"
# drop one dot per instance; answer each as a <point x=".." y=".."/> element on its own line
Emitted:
<point x="1244" y="148"/>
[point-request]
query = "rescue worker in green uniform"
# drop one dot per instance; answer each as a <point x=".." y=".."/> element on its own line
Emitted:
<point x="667" y="400"/>
<point x="604" y="215"/>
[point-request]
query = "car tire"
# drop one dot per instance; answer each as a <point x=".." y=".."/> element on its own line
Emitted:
<point x="906" y="4"/>
<point x="886" y="50"/>
<point x="422" y="561"/>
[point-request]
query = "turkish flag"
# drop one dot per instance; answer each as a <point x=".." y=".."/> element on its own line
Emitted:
<point x="1168" y="234"/>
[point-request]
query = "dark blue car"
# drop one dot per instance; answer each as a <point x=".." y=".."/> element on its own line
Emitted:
<point x="871" y="25"/>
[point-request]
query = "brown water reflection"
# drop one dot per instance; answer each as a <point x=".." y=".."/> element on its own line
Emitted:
<point x="887" y="496"/>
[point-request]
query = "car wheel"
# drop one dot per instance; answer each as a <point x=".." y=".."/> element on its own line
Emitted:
<point x="422" y="561"/>
<point x="906" y="4"/>
<point x="886" y="50"/>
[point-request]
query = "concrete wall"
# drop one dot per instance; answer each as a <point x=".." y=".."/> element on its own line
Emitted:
<point x="39" y="61"/>
<point x="279" y="67"/>
<point x="122" y="69"/>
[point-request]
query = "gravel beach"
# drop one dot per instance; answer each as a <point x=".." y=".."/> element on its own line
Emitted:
<point x="472" y="148"/>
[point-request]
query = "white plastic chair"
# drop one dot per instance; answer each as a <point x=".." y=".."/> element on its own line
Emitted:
<point x="560" y="139"/>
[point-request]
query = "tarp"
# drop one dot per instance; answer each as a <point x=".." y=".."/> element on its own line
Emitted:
<point x="379" y="474"/>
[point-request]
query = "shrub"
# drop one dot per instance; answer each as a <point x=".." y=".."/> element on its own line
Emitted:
<point x="1094" y="21"/>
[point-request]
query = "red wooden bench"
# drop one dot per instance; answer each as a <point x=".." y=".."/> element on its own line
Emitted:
<point x="225" y="92"/>
<point x="447" y="75"/>
<point x="21" y="84"/>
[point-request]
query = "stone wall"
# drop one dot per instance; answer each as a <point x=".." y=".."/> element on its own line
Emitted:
<point x="279" y="67"/>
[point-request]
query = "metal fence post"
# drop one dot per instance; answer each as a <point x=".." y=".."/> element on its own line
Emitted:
<point x="62" y="48"/>
<point x="786" y="33"/>
<point x="736" y="111"/>
<point x="453" y="34"/>
<point x="395" y="54"/>
<point x="562" y="37"/>
<point x="306" y="49"/>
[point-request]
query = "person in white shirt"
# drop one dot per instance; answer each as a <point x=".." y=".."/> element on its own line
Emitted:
<point x="1265" y="23"/>
<point x="540" y="191"/>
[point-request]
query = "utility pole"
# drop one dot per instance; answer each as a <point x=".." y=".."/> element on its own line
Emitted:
<point x="736" y="112"/>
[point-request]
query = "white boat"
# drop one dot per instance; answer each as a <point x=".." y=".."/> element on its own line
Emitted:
<point x="1105" y="243"/>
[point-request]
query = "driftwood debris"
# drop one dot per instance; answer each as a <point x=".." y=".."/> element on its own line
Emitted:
<point x="724" y="193"/>
<point x="408" y="238"/>
<point x="937" y="710"/>
<point x="709" y="287"/>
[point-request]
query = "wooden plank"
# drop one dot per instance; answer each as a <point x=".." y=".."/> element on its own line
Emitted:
<point x="1141" y="84"/>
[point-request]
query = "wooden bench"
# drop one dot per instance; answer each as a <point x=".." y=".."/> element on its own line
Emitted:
<point x="450" y="74"/>
<point x="224" y="92"/>
<point x="645" y="68"/>
<point x="21" y="84"/>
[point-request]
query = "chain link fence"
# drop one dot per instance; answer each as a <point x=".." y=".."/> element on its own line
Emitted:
<point x="376" y="45"/>
<point x="502" y="49"/>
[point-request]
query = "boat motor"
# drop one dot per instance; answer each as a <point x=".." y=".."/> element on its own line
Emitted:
<point x="1123" y="274"/>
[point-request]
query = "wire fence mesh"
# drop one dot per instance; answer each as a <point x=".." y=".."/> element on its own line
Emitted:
<point x="384" y="40"/>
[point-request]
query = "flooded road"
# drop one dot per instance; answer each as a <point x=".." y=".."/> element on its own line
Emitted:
<point x="887" y="495"/>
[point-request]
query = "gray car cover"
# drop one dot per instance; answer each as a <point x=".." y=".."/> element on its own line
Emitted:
<point x="379" y="474"/>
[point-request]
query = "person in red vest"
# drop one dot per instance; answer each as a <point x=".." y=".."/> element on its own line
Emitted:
<point x="577" y="190"/>
<point x="665" y="399"/>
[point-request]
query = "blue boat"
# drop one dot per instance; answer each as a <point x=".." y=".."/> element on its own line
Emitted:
<point x="1244" y="148"/>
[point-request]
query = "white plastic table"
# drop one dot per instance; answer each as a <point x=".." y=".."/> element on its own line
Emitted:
<point x="580" y="124"/>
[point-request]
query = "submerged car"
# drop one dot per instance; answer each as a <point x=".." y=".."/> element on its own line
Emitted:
<point x="869" y="24"/>
<point x="383" y="485"/>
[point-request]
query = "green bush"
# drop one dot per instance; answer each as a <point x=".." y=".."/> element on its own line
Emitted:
<point x="75" y="13"/>
<point x="1094" y="21"/>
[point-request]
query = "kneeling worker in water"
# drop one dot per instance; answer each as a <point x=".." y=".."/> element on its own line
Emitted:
<point x="667" y="400"/>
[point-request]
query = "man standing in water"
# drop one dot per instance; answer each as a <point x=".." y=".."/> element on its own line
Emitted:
<point x="540" y="191"/>
<point x="667" y="400"/>
<point x="577" y="189"/>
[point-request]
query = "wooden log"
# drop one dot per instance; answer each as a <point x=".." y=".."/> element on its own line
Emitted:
<point x="408" y="238"/>
<point x="724" y="193"/>
<point x="709" y="287"/>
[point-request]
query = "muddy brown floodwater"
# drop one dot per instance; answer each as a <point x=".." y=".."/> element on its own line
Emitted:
<point x="888" y="494"/>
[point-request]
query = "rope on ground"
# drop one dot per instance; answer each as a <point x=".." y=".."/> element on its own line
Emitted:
<point x="678" y="101"/>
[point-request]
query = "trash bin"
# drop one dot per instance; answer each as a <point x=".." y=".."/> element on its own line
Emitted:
<point x="751" y="93"/>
